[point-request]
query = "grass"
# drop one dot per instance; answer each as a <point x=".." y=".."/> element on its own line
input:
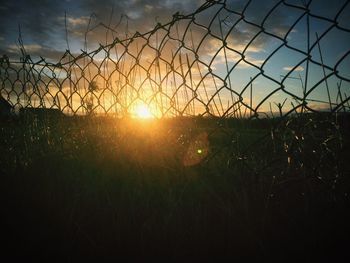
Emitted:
<point x="90" y="187"/>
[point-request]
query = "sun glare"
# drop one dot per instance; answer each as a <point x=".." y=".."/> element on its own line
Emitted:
<point x="142" y="111"/>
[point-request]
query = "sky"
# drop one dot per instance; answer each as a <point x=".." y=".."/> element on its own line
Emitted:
<point x="42" y="22"/>
<point x="48" y="28"/>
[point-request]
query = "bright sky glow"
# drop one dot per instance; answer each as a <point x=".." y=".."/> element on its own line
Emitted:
<point x="142" y="111"/>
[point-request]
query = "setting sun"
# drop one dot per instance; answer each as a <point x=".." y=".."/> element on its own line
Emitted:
<point x="143" y="111"/>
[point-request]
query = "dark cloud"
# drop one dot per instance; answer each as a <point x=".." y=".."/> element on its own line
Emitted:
<point x="42" y="22"/>
<point x="134" y="15"/>
<point x="34" y="51"/>
<point x="37" y="19"/>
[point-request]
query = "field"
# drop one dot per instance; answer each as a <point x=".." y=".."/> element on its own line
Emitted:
<point x="178" y="189"/>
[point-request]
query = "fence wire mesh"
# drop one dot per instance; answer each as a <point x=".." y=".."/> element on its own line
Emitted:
<point x="213" y="62"/>
<point x="238" y="168"/>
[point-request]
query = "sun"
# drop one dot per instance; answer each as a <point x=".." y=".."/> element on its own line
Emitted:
<point x="142" y="111"/>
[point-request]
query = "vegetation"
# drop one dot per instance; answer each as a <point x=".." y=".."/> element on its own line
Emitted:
<point x="201" y="188"/>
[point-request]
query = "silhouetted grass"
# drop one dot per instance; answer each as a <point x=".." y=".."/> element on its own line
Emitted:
<point x="79" y="187"/>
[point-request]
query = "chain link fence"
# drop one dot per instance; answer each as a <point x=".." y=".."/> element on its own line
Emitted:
<point x="213" y="62"/>
<point x="243" y="173"/>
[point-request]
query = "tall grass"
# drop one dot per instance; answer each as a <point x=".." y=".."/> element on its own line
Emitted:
<point x="82" y="187"/>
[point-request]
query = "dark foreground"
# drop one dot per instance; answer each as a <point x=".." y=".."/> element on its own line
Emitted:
<point x="190" y="189"/>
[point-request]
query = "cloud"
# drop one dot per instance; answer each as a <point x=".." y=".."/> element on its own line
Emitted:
<point x="35" y="51"/>
<point x="78" y="21"/>
<point x="298" y="68"/>
<point x="35" y="20"/>
<point x="29" y="48"/>
<point x="42" y="21"/>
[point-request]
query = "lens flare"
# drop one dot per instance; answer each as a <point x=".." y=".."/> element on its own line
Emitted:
<point x="197" y="150"/>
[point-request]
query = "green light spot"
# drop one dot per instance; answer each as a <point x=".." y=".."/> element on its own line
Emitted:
<point x="199" y="151"/>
